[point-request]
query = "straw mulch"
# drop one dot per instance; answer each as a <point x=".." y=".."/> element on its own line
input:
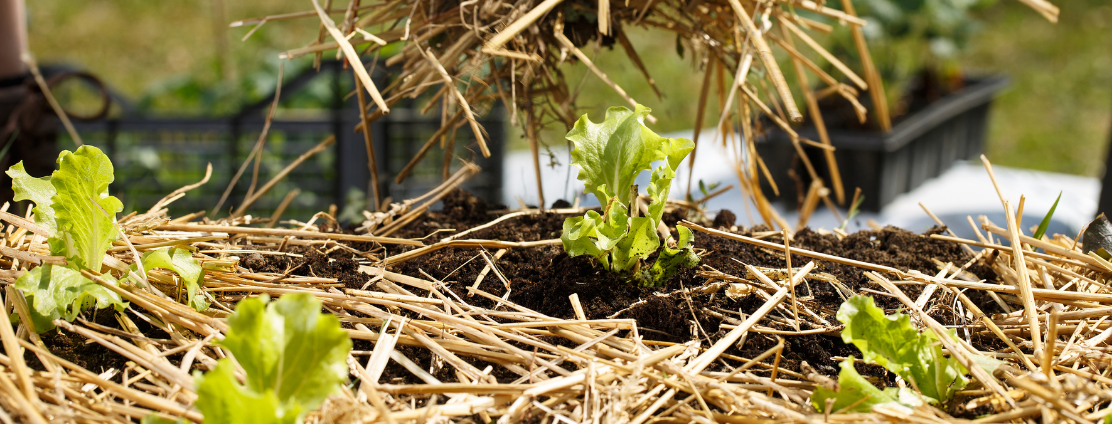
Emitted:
<point x="464" y="57"/>
<point x="1056" y="338"/>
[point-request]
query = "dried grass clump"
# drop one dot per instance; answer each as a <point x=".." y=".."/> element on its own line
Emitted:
<point x="464" y="56"/>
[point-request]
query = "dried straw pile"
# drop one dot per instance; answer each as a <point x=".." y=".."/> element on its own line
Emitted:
<point x="462" y="56"/>
<point x="1056" y="338"/>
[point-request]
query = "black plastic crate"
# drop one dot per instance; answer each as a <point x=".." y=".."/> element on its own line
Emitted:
<point x="156" y="155"/>
<point x="884" y="165"/>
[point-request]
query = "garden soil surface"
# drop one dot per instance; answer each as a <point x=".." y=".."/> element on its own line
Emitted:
<point x="543" y="278"/>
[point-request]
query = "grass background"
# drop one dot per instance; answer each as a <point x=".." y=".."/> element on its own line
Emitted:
<point x="180" y="58"/>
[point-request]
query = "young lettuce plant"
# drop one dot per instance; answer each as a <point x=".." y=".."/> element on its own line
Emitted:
<point x="893" y="343"/>
<point x="610" y="155"/>
<point x="74" y="207"/>
<point x="293" y="357"/>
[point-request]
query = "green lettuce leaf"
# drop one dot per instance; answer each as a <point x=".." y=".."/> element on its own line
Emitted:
<point x="60" y="292"/>
<point x="292" y="355"/>
<point x="587" y="235"/>
<point x="611" y="154"/>
<point x="893" y="343"/>
<point x="671" y="261"/>
<point x="223" y="400"/>
<point x="639" y="243"/>
<point x="596" y="235"/>
<point x="578" y="233"/>
<point x="84" y="211"/>
<point x="37" y="190"/>
<point x="180" y="261"/>
<point x="856" y="394"/>
<point x="660" y="183"/>
<point x="74" y="205"/>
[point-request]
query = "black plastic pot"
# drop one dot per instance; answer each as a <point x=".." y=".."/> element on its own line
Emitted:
<point x="884" y="165"/>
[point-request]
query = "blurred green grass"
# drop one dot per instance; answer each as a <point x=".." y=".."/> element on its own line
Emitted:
<point x="1056" y="116"/>
<point x="175" y="57"/>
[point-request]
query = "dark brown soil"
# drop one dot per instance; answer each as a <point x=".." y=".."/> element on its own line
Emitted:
<point x="543" y="278"/>
<point x="89" y="355"/>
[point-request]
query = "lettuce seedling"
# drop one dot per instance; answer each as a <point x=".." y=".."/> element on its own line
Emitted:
<point x="891" y="342"/>
<point x="292" y="356"/>
<point x="856" y="394"/>
<point x="610" y="155"/>
<point x="1046" y="220"/>
<point x="73" y="205"/>
<point x="182" y="262"/>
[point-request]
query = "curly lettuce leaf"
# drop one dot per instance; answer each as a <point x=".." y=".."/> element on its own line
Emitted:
<point x="293" y="357"/>
<point x="856" y="394"/>
<point x="580" y="235"/>
<point x="639" y="243"/>
<point x="612" y="153"/>
<point x="588" y="235"/>
<point x="180" y="261"/>
<point x="893" y="343"/>
<point x="60" y="292"/>
<point x="223" y="400"/>
<point x="37" y="190"/>
<point x="596" y="235"/>
<point x="671" y="261"/>
<point x="84" y="211"/>
<point x="660" y="183"/>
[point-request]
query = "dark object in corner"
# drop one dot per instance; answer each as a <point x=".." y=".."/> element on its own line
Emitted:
<point x="1098" y="237"/>
<point x="1105" y="201"/>
<point x="920" y="146"/>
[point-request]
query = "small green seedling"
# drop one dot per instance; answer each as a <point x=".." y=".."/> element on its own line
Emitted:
<point x="610" y="155"/>
<point x="854" y="209"/>
<point x="1046" y="220"/>
<point x="73" y="205"/>
<point x="293" y="357"/>
<point x="893" y="343"/>
<point x="705" y="189"/>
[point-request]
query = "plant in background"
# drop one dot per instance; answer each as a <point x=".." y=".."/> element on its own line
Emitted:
<point x="73" y="205"/>
<point x="854" y="209"/>
<point x="891" y="342"/>
<point x="1041" y="230"/>
<point x="293" y="357"/>
<point x="610" y="155"/>
<point x="914" y="43"/>
<point x="182" y="262"/>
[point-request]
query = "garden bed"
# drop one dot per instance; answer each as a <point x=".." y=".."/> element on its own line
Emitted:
<point x="484" y="336"/>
